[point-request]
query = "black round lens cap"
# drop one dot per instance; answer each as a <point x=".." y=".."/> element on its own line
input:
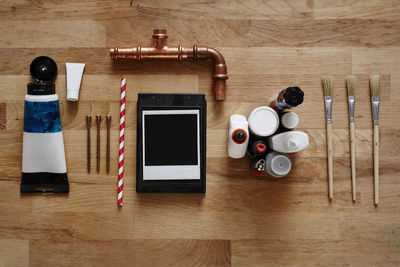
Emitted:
<point x="43" y="69"/>
<point x="294" y="96"/>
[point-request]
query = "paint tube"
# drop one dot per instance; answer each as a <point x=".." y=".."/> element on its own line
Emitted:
<point x="238" y="136"/>
<point x="43" y="157"/>
<point x="74" y="72"/>
<point x="288" y="98"/>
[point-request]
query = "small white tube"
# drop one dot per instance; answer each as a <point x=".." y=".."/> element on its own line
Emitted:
<point x="74" y="72"/>
<point x="238" y="136"/>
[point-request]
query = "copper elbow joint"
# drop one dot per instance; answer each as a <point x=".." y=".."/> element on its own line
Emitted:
<point x="160" y="50"/>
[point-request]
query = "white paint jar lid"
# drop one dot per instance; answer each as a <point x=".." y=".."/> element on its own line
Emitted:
<point x="289" y="120"/>
<point x="263" y="121"/>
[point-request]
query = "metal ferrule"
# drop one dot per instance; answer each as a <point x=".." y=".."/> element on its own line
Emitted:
<point x="375" y="109"/>
<point x="351" y="100"/>
<point x="328" y="108"/>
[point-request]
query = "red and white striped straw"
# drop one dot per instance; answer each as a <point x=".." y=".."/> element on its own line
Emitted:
<point x="121" y="141"/>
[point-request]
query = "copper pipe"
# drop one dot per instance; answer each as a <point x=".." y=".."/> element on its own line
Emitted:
<point x="160" y="50"/>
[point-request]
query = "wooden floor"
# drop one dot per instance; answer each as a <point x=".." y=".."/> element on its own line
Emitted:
<point x="242" y="220"/>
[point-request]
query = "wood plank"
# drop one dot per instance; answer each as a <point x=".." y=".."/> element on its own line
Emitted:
<point x="29" y="34"/>
<point x="255" y="32"/>
<point x="104" y="87"/>
<point x="379" y="61"/>
<point x="325" y="33"/>
<point x="312" y="252"/>
<point x="3" y="116"/>
<point x="234" y="10"/>
<point x="14" y="252"/>
<point x="395" y="81"/>
<point x="388" y="188"/>
<point x="23" y="9"/>
<point x="97" y="61"/>
<point x="68" y="226"/>
<point x="11" y="168"/>
<point x="71" y="10"/>
<point x="13" y="202"/>
<point x="372" y="60"/>
<point x="125" y="252"/>
<point x="254" y="60"/>
<point x="86" y="198"/>
<point x="233" y="225"/>
<point x="343" y="9"/>
<point x="274" y="60"/>
<point x="370" y="227"/>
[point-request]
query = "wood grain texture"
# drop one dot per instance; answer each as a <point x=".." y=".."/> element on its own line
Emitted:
<point x="3" y="116"/>
<point x="46" y="34"/>
<point x="14" y="252"/>
<point x="26" y="9"/>
<point x="329" y="9"/>
<point x="127" y="252"/>
<point x="242" y="220"/>
<point x="256" y="32"/>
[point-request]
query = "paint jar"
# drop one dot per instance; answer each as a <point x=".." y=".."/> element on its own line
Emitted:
<point x="257" y="147"/>
<point x="288" y="120"/>
<point x="288" y="142"/>
<point x="277" y="164"/>
<point x="288" y="98"/>
<point x="43" y="156"/>
<point x="238" y="136"/>
<point x="263" y="121"/>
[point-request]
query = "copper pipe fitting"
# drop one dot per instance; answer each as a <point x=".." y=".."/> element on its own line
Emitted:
<point x="160" y="50"/>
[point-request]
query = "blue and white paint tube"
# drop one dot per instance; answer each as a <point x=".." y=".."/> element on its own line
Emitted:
<point x="43" y="157"/>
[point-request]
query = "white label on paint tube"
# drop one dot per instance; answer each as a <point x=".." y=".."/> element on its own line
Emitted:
<point x="43" y="152"/>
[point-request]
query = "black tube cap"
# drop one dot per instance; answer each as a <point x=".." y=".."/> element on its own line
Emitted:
<point x="44" y="71"/>
<point x="294" y="96"/>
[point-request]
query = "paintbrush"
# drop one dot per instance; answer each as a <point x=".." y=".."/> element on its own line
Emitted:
<point x="327" y="83"/>
<point x="374" y="82"/>
<point x="351" y="82"/>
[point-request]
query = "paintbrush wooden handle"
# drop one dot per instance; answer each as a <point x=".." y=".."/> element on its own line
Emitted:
<point x="330" y="159"/>
<point x="376" y="164"/>
<point x="353" y="160"/>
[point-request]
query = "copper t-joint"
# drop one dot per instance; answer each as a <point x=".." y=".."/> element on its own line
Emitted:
<point x="160" y="50"/>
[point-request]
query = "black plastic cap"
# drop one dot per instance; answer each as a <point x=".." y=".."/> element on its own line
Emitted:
<point x="44" y="71"/>
<point x="239" y="137"/>
<point x="294" y="96"/>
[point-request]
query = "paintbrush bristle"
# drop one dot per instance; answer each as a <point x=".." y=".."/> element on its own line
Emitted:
<point x="375" y="84"/>
<point x="351" y="84"/>
<point x="327" y="84"/>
